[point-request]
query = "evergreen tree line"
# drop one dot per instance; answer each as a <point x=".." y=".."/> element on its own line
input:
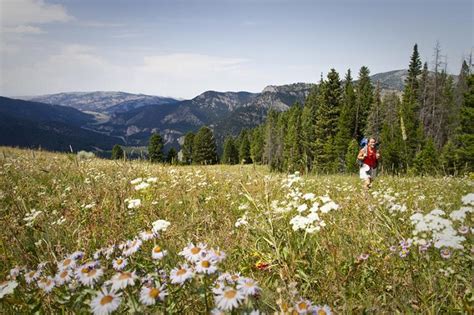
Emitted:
<point x="428" y="129"/>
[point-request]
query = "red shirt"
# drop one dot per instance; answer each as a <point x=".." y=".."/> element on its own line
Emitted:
<point x="371" y="158"/>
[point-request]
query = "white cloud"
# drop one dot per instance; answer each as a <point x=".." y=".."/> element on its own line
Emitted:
<point x="22" y="29"/>
<point x="25" y="12"/>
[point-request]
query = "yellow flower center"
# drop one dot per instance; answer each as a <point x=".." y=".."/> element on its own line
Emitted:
<point x="205" y="264"/>
<point x="249" y="284"/>
<point x="67" y="262"/>
<point x="322" y="312"/>
<point x="92" y="273"/>
<point x="85" y="270"/>
<point x="302" y="306"/>
<point x="125" y="275"/>
<point x="234" y="277"/>
<point x="106" y="300"/>
<point x="195" y="250"/>
<point x="154" y="292"/>
<point x="157" y="249"/>
<point x="119" y="261"/>
<point x="63" y="274"/>
<point x="181" y="272"/>
<point x="31" y="274"/>
<point x="230" y="294"/>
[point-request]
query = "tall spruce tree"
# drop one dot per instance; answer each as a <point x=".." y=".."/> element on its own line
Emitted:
<point x="273" y="144"/>
<point x="409" y="122"/>
<point x="350" y="159"/>
<point x="231" y="154"/>
<point x="465" y="135"/>
<point x="187" y="148"/>
<point x="391" y="142"/>
<point x="244" y="147"/>
<point x="257" y="144"/>
<point x="117" y="152"/>
<point x="155" y="148"/>
<point x="375" y="119"/>
<point x="364" y="99"/>
<point x="292" y="146"/>
<point x="329" y="105"/>
<point x="308" y="130"/>
<point x="204" y="148"/>
<point x="172" y="156"/>
<point x="346" y="121"/>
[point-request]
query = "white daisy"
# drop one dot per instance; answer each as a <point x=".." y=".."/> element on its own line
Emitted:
<point x="217" y="254"/>
<point x="193" y="252"/>
<point x="89" y="274"/>
<point x="181" y="274"/>
<point x="119" y="263"/>
<point x="160" y="225"/>
<point x="67" y="263"/>
<point x="303" y="307"/>
<point x="136" y="181"/>
<point x="105" y="302"/>
<point x="47" y="284"/>
<point x="64" y="276"/>
<point x="132" y="247"/>
<point x="15" y="272"/>
<point x="229" y="299"/>
<point x="322" y="310"/>
<point x="149" y="295"/>
<point x="148" y="235"/>
<point x="248" y="286"/>
<point x="206" y="265"/>
<point x="77" y="255"/>
<point x="7" y="287"/>
<point x="122" y="280"/>
<point x="32" y="275"/>
<point x="158" y="253"/>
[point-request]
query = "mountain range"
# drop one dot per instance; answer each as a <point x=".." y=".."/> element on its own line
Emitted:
<point x="98" y="120"/>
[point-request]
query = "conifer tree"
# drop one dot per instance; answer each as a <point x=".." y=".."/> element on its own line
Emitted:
<point x="465" y="135"/>
<point x="257" y="144"/>
<point x="391" y="142"/>
<point x="117" y="152"/>
<point x="155" y="148"/>
<point x="350" y="159"/>
<point x="364" y="99"/>
<point x="449" y="159"/>
<point x="273" y="144"/>
<point x="346" y="121"/>
<point x="409" y="121"/>
<point x="187" y="148"/>
<point x="330" y="98"/>
<point x="204" y="148"/>
<point x="231" y="154"/>
<point x="292" y="147"/>
<point x="308" y="129"/>
<point x="172" y="156"/>
<point x="375" y="119"/>
<point x="244" y="147"/>
<point x="426" y="161"/>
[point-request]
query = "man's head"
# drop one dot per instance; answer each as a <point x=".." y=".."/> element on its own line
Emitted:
<point x="372" y="142"/>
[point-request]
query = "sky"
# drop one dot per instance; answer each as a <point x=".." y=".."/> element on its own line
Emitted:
<point x="182" y="48"/>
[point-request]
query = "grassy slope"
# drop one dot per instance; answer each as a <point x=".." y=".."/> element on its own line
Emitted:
<point x="202" y="204"/>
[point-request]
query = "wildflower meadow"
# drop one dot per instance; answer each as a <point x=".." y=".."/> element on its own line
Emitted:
<point x="100" y="236"/>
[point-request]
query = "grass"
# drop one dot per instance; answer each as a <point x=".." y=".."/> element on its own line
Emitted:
<point x="203" y="204"/>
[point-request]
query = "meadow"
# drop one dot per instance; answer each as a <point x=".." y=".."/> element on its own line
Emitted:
<point x="93" y="235"/>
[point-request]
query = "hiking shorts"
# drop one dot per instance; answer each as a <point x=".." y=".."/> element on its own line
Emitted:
<point x="366" y="172"/>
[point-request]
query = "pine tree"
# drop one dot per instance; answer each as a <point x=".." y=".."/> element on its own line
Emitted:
<point x="426" y="161"/>
<point x="257" y="144"/>
<point x="273" y="144"/>
<point x="292" y="146"/>
<point x="465" y="134"/>
<point x="117" y="152"/>
<point x="244" y="147"/>
<point x="364" y="99"/>
<point x="204" y="148"/>
<point x="346" y="122"/>
<point x="330" y="99"/>
<point x="172" y="156"/>
<point x="409" y="121"/>
<point x="187" y="148"/>
<point x="308" y="130"/>
<point x="231" y="154"/>
<point x="391" y="142"/>
<point x="155" y="148"/>
<point x="449" y="159"/>
<point x="375" y="119"/>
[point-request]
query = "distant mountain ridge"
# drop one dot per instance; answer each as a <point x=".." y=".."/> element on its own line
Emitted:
<point x="130" y="119"/>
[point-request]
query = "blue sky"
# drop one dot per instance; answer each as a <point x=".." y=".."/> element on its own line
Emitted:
<point x="183" y="48"/>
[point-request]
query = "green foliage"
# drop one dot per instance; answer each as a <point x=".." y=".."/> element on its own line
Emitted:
<point x="257" y="144"/>
<point x="204" y="148"/>
<point x="308" y="129"/>
<point x="351" y="157"/>
<point x="231" y="154"/>
<point x="364" y="100"/>
<point x="117" y="152"/>
<point x="449" y="161"/>
<point x="427" y="160"/>
<point x="244" y="147"/>
<point x="155" y="148"/>
<point x="293" y="140"/>
<point x="187" y="148"/>
<point x="465" y="138"/>
<point x="375" y="119"/>
<point x="172" y="156"/>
